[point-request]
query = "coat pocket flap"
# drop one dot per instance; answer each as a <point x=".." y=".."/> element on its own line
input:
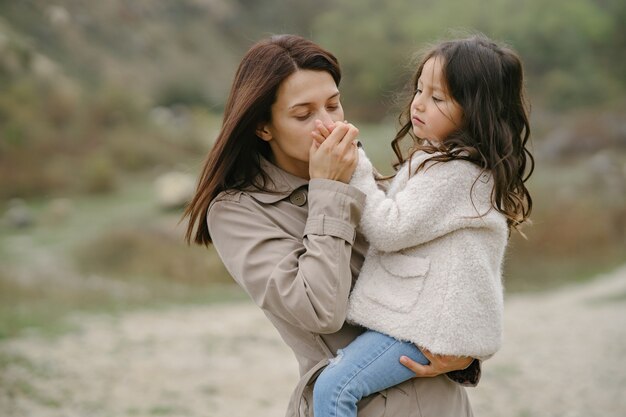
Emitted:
<point x="405" y="266"/>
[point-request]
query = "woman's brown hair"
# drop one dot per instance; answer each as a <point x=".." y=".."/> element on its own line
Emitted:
<point x="234" y="160"/>
<point x="486" y="80"/>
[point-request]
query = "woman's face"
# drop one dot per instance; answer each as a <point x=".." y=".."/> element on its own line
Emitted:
<point x="434" y="114"/>
<point x="302" y="98"/>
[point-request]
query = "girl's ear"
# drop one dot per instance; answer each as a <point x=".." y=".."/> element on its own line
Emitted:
<point x="263" y="132"/>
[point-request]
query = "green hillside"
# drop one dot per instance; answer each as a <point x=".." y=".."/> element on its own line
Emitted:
<point x="187" y="50"/>
<point x="92" y="90"/>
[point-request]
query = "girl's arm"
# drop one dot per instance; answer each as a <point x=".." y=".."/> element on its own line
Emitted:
<point x="302" y="280"/>
<point x="433" y="202"/>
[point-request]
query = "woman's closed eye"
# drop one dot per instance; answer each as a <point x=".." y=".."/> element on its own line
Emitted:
<point x="303" y="117"/>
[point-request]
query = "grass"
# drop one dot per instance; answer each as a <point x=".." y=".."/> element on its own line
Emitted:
<point x="12" y="359"/>
<point x="51" y="271"/>
<point x="532" y="273"/>
<point x="17" y="383"/>
<point x="619" y="297"/>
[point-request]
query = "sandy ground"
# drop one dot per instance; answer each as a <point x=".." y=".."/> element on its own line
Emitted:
<point x="564" y="355"/>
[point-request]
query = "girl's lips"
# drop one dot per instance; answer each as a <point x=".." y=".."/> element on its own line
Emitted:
<point x="417" y="120"/>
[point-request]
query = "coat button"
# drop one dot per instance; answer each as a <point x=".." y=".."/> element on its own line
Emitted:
<point x="298" y="198"/>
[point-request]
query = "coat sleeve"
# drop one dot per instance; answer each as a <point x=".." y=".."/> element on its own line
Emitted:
<point x="434" y="202"/>
<point x="468" y="377"/>
<point x="304" y="280"/>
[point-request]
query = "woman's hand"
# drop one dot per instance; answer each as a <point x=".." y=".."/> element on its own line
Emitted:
<point x="333" y="154"/>
<point x="439" y="364"/>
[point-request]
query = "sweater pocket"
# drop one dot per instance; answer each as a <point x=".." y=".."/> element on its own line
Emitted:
<point x="401" y="281"/>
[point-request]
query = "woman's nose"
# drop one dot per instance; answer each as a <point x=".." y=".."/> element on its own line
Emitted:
<point x="326" y="117"/>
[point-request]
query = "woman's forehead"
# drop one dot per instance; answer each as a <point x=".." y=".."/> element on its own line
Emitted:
<point x="306" y="87"/>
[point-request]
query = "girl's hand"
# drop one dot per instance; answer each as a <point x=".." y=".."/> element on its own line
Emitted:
<point x="322" y="131"/>
<point x="335" y="158"/>
<point x="439" y="364"/>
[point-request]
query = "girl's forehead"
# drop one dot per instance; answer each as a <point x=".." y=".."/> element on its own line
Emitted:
<point x="432" y="73"/>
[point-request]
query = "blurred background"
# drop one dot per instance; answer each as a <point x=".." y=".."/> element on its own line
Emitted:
<point x="107" y="109"/>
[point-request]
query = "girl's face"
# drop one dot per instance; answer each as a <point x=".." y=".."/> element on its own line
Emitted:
<point x="302" y="98"/>
<point x="434" y="114"/>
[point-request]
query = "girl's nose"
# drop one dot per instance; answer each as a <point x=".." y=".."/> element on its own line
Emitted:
<point x="417" y="103"/>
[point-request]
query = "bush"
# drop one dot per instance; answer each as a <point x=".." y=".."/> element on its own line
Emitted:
<point x="149" y="254"/>
<point x="99" y="174"/>
<point x="563" y="90"/>
<point x="578" y="228"/>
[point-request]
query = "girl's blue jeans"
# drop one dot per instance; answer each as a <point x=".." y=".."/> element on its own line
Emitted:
<point x="371" y="363"/>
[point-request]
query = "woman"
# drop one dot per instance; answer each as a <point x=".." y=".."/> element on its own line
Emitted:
<point x="283" y="219"/>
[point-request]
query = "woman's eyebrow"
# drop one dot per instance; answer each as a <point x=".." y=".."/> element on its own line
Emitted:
<point x="308" y="103"/>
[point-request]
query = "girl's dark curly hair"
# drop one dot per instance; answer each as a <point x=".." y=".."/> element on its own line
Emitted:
<point x="486" y="80"/>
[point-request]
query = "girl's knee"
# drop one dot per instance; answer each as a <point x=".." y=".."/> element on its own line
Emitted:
<point x="322" y="391"/>
<point x="324" y="384"/>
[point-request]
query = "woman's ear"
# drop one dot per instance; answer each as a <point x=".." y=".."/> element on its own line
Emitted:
<point x="263" y="132"/>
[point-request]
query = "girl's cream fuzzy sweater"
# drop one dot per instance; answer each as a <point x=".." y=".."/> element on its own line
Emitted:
<point x="433" y="272"/>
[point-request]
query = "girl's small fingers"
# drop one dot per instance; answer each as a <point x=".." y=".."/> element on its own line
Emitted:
<point x="322" y="128"/>
<point x="317" y="137"/>
<point x="349" y="138"/>
<point x="336" y="136"/>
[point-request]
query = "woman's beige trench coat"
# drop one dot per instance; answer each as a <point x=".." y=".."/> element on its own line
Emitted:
<point x="296" y="252"/>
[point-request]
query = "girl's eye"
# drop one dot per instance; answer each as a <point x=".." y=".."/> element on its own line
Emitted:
<point x="437" y="99"/>
<point x="418" y="91"/>
<point x="303" y="117"/>
<point x="332" y="107"/>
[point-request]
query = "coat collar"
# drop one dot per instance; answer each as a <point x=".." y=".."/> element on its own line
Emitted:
<point x="283" y="184"/>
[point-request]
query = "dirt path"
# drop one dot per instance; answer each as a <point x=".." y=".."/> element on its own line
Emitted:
<point x="564" y="355"/>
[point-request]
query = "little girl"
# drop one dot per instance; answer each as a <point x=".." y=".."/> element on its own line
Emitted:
<point x="432" y="275"/>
